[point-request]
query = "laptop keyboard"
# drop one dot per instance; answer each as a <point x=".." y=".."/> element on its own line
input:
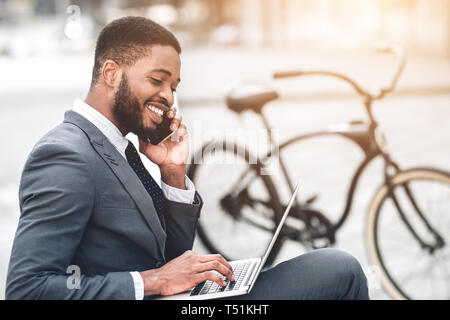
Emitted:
<point x="208" y="287"/>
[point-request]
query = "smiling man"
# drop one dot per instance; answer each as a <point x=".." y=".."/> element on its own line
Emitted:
<point x="86" y="200"/>
<point x="94" y="223"/>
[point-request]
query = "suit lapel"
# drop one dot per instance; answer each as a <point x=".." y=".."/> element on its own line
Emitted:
<point x="124" y="173"/>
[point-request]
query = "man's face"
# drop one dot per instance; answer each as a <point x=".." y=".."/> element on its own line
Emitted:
<point x="146" y="91"/>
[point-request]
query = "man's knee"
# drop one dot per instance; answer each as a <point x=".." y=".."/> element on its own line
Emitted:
<point x="336" y="274"/>
<point x="349" y="274"/>
<point x="322" y="274"/>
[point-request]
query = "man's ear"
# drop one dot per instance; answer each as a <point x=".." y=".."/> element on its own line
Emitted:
<point x="111" y="73"/>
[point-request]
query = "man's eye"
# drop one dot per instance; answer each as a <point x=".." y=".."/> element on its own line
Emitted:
<point x="156" y="80"/>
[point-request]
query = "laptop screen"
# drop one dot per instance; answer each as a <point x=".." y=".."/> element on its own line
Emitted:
<point x="277" y="232"/>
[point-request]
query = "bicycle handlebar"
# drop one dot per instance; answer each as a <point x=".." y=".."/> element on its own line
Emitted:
<point x="397" y="50"/>
<point x="289" y="74"/>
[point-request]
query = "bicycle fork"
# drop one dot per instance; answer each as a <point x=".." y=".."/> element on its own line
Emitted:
<point x="439" y="241"/>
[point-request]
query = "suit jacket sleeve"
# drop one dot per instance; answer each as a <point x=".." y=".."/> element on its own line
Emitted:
<point x="56" y="197"/>
<point x="181" y="223"/>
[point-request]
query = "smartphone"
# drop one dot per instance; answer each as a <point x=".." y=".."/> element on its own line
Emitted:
<point x="162" y="131"/>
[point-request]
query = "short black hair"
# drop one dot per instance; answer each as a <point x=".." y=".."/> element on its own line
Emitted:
<point x="127" y="39"/>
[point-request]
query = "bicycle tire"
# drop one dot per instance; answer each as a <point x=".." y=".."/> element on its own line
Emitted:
<point x="394" y="267"/>
<point x="206" y="228"/>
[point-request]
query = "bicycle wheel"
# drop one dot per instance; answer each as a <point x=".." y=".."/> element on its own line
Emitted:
<point x="409" y="269"/>
<point x="241" y="206"/>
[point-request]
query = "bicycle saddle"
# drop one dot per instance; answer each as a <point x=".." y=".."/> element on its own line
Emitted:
<point x="250" y="97"/>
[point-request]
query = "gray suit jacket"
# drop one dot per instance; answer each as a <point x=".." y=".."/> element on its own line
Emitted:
<point x="82" y="204"/>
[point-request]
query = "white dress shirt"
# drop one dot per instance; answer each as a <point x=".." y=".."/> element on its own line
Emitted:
<point x="116" y="138"/>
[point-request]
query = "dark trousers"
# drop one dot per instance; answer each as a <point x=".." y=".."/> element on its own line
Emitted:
<point x="322" y="274"/>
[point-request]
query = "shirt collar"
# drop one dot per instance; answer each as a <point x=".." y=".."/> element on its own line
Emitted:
<point x="111" y="132"/>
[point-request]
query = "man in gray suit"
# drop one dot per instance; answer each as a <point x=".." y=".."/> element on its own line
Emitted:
<point x="94" y="224"/>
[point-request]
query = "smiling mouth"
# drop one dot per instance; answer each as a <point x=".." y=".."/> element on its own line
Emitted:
<point x="155" y="110"/>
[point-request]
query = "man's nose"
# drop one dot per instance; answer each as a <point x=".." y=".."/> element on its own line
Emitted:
<point x="167" y="95"/>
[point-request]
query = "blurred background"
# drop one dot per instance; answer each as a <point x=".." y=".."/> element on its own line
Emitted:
<point x="46" y="58"/>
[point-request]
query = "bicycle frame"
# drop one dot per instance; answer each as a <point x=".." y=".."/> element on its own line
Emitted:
<point x="368" y="137"/>
<point x="363" y="134"/>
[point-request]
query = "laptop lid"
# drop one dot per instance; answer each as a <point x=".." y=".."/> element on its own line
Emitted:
<point x="275" y="236"/>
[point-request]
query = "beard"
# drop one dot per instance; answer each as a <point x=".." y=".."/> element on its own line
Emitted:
<point x="128" y="112"/>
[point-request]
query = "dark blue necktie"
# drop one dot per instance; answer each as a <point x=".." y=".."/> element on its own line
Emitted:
<point x="147" y="180"/>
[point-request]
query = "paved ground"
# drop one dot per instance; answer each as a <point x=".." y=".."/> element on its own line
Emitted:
<point x="416" y="125"/>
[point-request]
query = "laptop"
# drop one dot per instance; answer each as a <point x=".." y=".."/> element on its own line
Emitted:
<point x="245" y="271"/>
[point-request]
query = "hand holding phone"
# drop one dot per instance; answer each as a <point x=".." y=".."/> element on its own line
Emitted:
<point x="175" y="152"/>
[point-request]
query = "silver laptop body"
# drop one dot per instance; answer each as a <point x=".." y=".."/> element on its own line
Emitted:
<point x="246" y="272"/>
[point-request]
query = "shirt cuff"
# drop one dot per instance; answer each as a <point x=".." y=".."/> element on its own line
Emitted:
<point x="138" y="285"/>
<point x="179" y="195"/>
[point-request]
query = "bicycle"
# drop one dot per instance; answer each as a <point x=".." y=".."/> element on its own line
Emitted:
<point x="247" y="206"/>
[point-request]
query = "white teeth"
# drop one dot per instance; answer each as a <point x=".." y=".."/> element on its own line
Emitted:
<point x="156" y="110"/>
